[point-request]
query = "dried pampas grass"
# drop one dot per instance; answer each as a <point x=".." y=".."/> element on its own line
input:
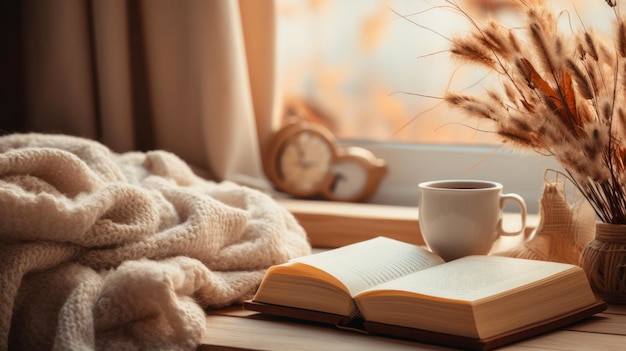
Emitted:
<point x="561" y="94"/>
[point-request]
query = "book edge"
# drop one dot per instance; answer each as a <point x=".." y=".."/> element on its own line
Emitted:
<point x="488" y="343"/>
<point x="424" y="336"/>
<point x="296" y="313"/>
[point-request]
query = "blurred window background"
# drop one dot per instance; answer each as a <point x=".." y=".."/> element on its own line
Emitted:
<point x="374" y="69"/>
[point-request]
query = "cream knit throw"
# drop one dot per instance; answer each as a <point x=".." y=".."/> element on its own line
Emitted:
<point x="124" y="251"/>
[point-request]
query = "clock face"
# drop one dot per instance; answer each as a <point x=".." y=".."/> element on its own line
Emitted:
<point x="350" y="179"/>
<point x="304" y="163"/>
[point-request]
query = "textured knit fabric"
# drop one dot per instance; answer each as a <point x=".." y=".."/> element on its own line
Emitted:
<point x="100" y="250"/>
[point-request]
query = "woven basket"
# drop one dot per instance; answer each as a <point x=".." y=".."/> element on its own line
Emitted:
<point x="604" y="262"/>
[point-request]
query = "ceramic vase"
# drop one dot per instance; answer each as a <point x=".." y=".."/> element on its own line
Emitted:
<point x="604" y="262"/>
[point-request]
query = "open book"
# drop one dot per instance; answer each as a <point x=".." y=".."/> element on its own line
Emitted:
<point x="388" y="287"/>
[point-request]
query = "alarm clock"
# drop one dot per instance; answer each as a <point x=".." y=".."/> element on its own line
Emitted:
<point x="304" y="160"/>
<point x="357" y="173"/>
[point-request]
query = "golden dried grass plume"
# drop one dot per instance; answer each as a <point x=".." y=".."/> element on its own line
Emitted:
<point x="560" y="94"/>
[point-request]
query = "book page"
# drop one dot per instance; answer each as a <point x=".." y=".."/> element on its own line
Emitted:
<point x="474" y="277"/>
<point x="372" y="262"/>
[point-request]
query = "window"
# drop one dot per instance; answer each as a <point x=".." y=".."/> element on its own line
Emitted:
<point x="370" y="70"/>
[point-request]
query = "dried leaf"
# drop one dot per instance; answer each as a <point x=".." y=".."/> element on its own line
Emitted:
<point x="569" y="95"/>
<point x="540" y="84"/>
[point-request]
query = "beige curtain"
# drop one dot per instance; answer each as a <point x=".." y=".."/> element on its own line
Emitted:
<point x="194" y="77"/>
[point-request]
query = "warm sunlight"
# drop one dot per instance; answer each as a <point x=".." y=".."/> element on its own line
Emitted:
<point x="376" y="69"/>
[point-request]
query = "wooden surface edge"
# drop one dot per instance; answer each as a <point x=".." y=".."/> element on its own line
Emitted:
<point x="333" y="224"/>
<point x="234" y="328"/>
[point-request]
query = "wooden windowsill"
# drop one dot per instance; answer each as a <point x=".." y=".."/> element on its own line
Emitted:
<point x="334" y="224"/>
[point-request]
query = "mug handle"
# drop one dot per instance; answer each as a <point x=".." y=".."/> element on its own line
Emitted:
<point x="522" y="205"/>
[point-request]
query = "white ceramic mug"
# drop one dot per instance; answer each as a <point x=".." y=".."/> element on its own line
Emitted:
<point x="464" y="217"/>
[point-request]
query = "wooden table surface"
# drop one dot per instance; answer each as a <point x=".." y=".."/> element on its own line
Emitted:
<point x="236" y="329"/>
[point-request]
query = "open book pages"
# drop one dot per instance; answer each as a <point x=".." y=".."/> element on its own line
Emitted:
<point x="478" y="296"/>
<point x="327" y="281"/>
<point x="369" y="263"/>
<point x="472" y="278"/>
<point x="388" y="287"/>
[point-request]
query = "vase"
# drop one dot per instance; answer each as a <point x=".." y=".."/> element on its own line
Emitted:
<point x="604" y="262"/>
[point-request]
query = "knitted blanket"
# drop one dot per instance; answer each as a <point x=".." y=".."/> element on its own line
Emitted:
<point x="100" y="250"/>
